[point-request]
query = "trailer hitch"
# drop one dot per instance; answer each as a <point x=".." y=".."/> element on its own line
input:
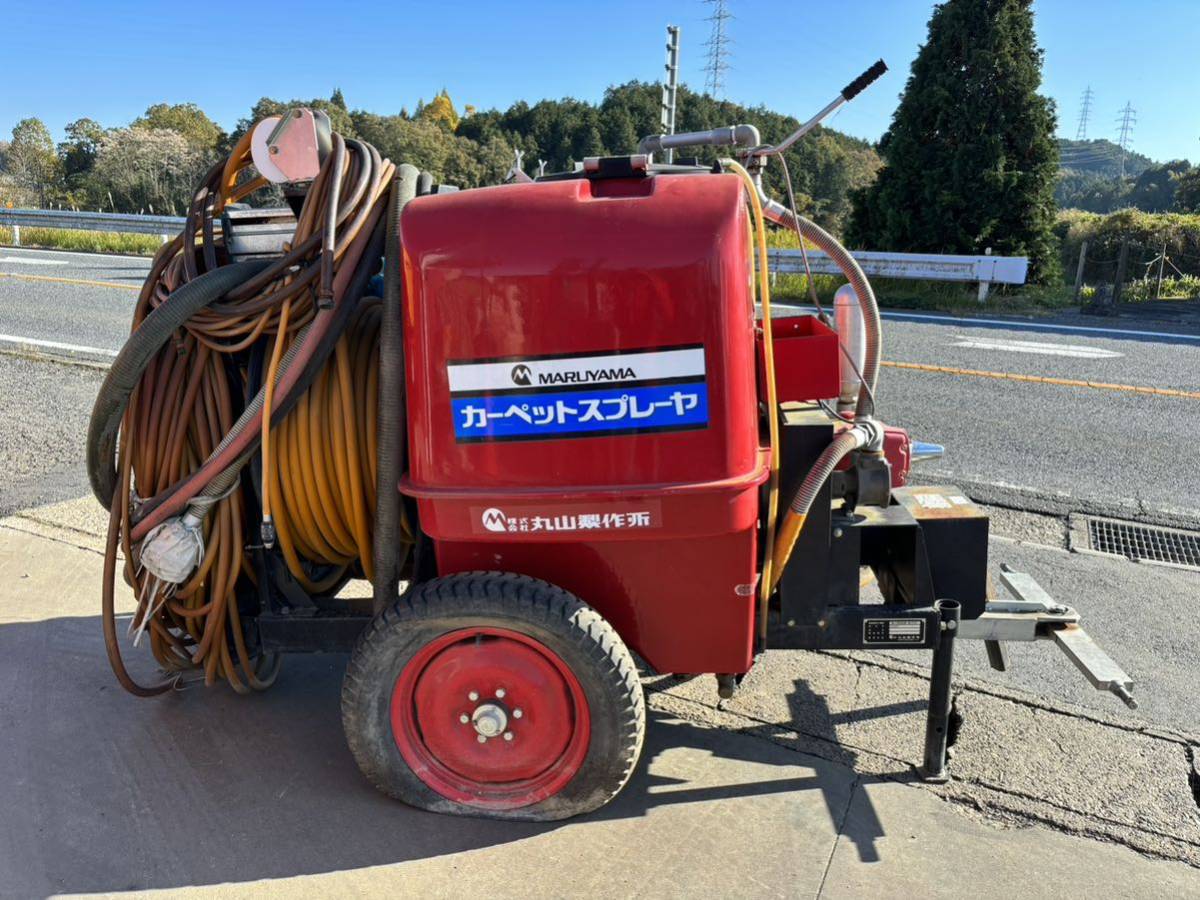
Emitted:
<point x="1033" y="615"/>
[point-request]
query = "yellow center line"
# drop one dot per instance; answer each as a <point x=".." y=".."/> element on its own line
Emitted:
<point x="21" y="276"/>
<point x="1045" y="379"/>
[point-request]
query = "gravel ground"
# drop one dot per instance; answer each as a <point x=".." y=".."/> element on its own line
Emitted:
<point x="46" y="408"/>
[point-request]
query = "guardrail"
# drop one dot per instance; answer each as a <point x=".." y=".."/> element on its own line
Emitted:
<point x="983" y="270"/>
<point x="71" y="220"/>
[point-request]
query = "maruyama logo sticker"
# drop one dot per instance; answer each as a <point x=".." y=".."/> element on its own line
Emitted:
<point x="494" y="519"/>
<point x="521" y="374"/>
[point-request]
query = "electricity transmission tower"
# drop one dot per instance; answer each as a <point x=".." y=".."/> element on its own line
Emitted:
<point x="1127" y="121"/>
<point x="718" y="49"/>
<point x="1085" y="109"/>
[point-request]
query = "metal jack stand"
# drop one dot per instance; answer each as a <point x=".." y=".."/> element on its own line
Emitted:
<point x="937" y="722"/>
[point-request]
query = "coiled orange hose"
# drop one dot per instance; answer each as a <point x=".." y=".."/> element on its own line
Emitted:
<point x="318" y="463"/>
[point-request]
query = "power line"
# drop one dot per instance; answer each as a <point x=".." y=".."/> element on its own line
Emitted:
<point x="718" y="49"/>
<point x="1085" y="108"/>
<point x="1128" y="120"/>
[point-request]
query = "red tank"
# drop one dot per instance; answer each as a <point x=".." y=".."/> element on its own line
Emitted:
<point x="582" y="400"/>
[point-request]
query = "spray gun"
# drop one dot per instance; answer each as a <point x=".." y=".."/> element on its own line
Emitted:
<point x="747" y="136"/>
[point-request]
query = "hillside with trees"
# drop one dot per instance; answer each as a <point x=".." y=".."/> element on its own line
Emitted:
<point x="1089" y="178"/>
<point x="153" y="162"/>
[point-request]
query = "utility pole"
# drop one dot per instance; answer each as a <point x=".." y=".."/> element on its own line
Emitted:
<point x="670" y="85"/>
<point x="718" y="50"/>
<point x="1085" y="109"/>
<point x="1128" y="120"/>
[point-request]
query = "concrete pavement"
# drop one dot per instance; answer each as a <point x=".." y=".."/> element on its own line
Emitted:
<point x="801" y="786"/>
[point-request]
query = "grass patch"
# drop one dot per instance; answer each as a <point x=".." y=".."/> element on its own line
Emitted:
<point x="932" y="296"/>
<point x="84" y="241"/>
<point x="1141" y="290"/>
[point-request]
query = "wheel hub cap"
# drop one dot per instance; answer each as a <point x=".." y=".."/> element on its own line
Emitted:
<point x="490" y="717"/>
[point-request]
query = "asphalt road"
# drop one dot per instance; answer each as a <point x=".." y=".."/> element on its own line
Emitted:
<point x="82" y="299"/>
<point x="1044" y="446"/>
<point x="1030" y="446"/>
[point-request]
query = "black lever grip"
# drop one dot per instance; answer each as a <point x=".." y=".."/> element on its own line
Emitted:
<point x="859" y="84"/>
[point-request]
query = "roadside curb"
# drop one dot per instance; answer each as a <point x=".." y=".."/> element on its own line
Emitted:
<point x="1062" y="505"/>
<point x="92" y="358"/>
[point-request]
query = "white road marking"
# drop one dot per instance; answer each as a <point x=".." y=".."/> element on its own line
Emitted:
<point x="54" y="345"/>
<point x="29" y="261"/>
<point x="1076" y="350"/>
<point x="1011" y="324"/>
<point x="1016" y="324"/>
<point x="98" y="257"/>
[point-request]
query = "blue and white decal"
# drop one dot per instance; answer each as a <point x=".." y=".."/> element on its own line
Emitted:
<point x="531" y="398"/>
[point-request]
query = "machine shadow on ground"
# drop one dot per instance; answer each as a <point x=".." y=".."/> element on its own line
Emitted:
<point x="103" y="791"/>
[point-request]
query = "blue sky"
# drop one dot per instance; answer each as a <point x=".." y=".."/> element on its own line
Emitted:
<point x="67" y="59"/>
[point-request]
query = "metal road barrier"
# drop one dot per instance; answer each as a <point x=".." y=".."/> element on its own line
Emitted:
<point x="164" y="226"/>
<point x="984" y="270"/>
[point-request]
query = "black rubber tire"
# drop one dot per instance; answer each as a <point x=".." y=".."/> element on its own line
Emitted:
<point x="578" y="634"/>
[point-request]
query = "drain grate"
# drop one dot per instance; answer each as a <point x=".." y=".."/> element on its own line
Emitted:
<point x="1149" y="543"/>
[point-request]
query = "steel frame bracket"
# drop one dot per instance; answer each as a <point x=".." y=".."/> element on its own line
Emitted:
<point x="1034" y="615"/>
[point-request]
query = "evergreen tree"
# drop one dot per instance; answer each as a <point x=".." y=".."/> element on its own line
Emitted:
<point x="970" y="155"/>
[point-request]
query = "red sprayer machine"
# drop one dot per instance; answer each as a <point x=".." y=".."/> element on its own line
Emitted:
<point x="563" y="428"/>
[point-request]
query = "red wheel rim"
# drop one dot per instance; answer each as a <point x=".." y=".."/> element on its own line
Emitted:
<point x="514" y="693"/>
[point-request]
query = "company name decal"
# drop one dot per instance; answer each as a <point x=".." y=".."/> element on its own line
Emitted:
<point x="589" y="376"/>
<point x="572" y="519"/>
<point x="577" y="396"/>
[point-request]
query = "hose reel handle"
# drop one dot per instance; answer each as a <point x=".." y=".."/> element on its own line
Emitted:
<point x="859" y="84"/>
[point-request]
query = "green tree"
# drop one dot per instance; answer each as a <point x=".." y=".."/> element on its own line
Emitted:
<point x="1187" y="192"/>
<point x="1154" y="190"/>
<point x="451" y="159"/>
<point x="32" y="162"/>
<point x="970" y="155"/>
<point x="78" y="151"/>
<point x="186" y="119"/>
